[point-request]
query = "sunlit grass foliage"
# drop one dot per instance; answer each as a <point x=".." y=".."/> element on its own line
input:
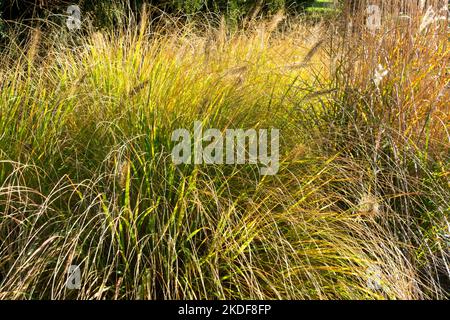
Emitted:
<point x="358" y="210"/>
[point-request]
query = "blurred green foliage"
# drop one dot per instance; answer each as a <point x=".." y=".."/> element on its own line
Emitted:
<point x="110" y="13"/>
<point x="17" y="9"/>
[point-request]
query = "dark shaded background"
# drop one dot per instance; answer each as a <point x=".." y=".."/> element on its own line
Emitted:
<point x="23" y="9"/>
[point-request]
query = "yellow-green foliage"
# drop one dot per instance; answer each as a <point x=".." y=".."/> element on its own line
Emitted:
<point x="86" y="176"/>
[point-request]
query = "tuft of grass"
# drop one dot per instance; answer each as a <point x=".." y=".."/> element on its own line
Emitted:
<point x="358" y="210"/>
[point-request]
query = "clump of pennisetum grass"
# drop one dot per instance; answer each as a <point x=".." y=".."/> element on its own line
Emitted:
<point x="389" y="114"/>
<point x="357" y="210"/>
